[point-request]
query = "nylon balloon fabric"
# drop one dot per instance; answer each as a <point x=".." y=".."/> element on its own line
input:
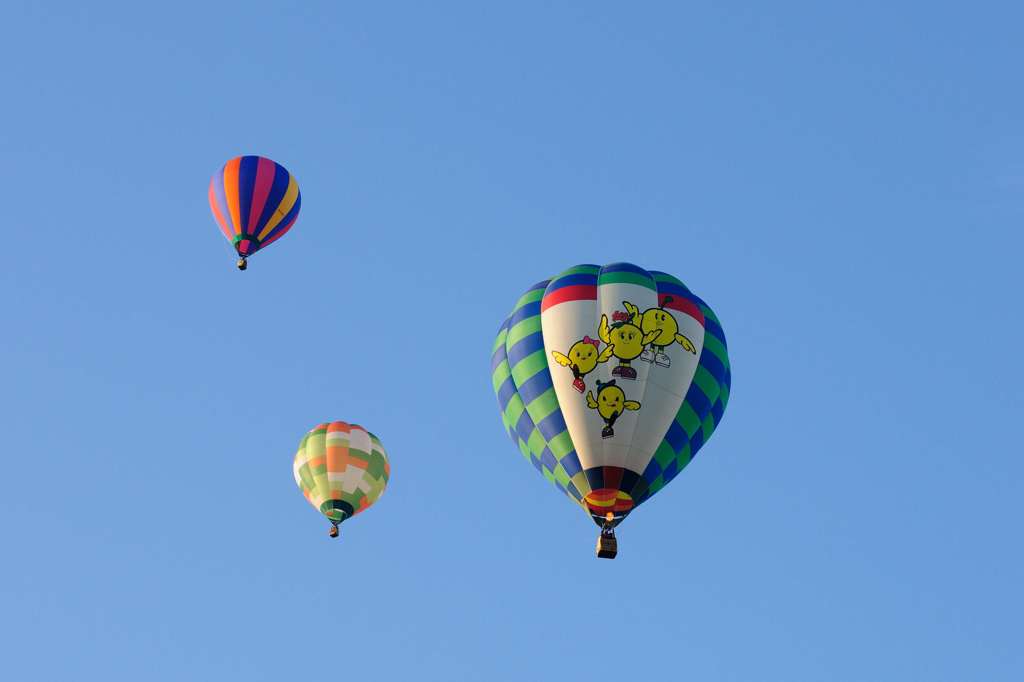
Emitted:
<point x="255" y="201"/>
<point x="610" y="380"/>
<point x="341" y="469"/>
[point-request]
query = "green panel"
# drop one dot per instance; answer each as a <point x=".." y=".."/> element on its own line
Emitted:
<point x="521" y="330"/>
<point x="712" y="344"/>
<point x="543" y="405"/>
<point x="626" y="278"/>
<point x="707" y="383"/>
<point x="688" y="419"/>
<point x="528" y="366"/>
<point x="664" y="454"/>
<point x="561" y="445"/>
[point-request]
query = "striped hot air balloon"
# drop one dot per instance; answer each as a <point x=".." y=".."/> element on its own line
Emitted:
<point x="255" y="201"/>
<point x="341" y="470"/>
<point x="609" y="380"/>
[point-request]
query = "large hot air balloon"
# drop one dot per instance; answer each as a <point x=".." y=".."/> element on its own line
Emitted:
<point x="255" y="201"/>
<point x="341" y="469"/>
<point x="610" y="379"/>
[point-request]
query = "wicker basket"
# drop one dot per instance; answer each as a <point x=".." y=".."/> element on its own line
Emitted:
<point x="607" y="546"/>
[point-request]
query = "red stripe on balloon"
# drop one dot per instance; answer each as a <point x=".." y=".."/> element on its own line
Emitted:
<point x="580" y="292"/>
<point x="261" y="190"/>
<point x="684" y="306"/>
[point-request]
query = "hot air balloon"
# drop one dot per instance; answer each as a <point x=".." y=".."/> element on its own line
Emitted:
<point x="255" y="201"/>
<point x="341" y="469"/>
<point x="609" y="380"/>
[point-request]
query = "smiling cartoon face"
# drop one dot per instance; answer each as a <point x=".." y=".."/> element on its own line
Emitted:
<point x="584" y="356"/>
<point x="656" y="319"/>
<point x="627" y="340"/>
<point x="610" y="401"/>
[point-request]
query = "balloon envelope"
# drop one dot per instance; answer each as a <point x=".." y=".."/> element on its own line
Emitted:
<point x="609" y="380"/>
<point x="341" y="469"/>
<point x="255" y="201"/>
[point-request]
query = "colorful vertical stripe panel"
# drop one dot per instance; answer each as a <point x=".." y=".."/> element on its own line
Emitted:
<point x="255" y="201"/>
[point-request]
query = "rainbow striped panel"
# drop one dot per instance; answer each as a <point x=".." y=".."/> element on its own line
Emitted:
<point x="255" y="201"/>
<point x="341" y="469"/>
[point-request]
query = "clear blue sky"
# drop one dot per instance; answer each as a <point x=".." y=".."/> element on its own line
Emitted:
<point x="844" y="185"/>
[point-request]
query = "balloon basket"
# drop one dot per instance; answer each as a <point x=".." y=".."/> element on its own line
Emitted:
<point x="242" y="264"/>
<point x="607" y="545"/>
<point x="333" y="532"/>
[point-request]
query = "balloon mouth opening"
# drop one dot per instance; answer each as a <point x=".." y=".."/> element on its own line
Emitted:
<point x="246" y="244"/>
<point x="608" y="506"/>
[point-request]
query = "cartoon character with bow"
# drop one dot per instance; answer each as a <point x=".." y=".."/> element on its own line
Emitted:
<point x="582" y="359"/>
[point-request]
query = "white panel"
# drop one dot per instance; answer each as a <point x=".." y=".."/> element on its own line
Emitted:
<point x="360" y="440"/>
<point x="564" y="325"/>
<point x="618" y="450"/>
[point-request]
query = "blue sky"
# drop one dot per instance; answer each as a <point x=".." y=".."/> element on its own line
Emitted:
<point x="844" y="185"/>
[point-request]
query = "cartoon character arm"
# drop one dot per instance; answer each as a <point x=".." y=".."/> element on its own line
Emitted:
<point x="633" y="311"/>
<point x="591" y="403"/>
<point x="650" y="336"/>
<point x="605" y="354"/>
<point x="602" y="329"/>
<point x="631" y="405"/>
<point x="686" y="343"/>
<point x="563" y="360"/>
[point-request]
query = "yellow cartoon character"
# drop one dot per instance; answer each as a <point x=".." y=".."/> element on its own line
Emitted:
<point x="625" y="339"/>
<point x="660" y="321"/>
<point x="582" y="359"/>
<point x="610" y="404"/>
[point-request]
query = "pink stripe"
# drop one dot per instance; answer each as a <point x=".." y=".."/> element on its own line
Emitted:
<point x="260" y="191"/>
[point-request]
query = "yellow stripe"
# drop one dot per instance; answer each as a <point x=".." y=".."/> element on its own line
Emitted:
<point x="290" y="195"/>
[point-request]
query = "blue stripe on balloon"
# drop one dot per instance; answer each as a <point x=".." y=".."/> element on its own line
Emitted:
<point x="715" y="329"/>
<point x="539" y="286"/>
<point x="652" y="470"/>
<point x="535" y="386"/>
<point x="524" y="347"/>
<point x="528" y="310"/>
<point x="698" y="401"/>
<point x="696" y="442"/>
<point x="578" y="279"/>
<point x="571" y="464"/>
<point x="676" y="436"/>
<point x="712" y="364"/>
<point x="673" y="289"/>
<point x="548" y="460"/>
<point x="552" y="425"/>
<point x="505" y="392"/>
<point x="277" y="190"/>
<point x="287" y="220"/>
<point x="246" y="182"/>
<point x="524" y="427"/>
